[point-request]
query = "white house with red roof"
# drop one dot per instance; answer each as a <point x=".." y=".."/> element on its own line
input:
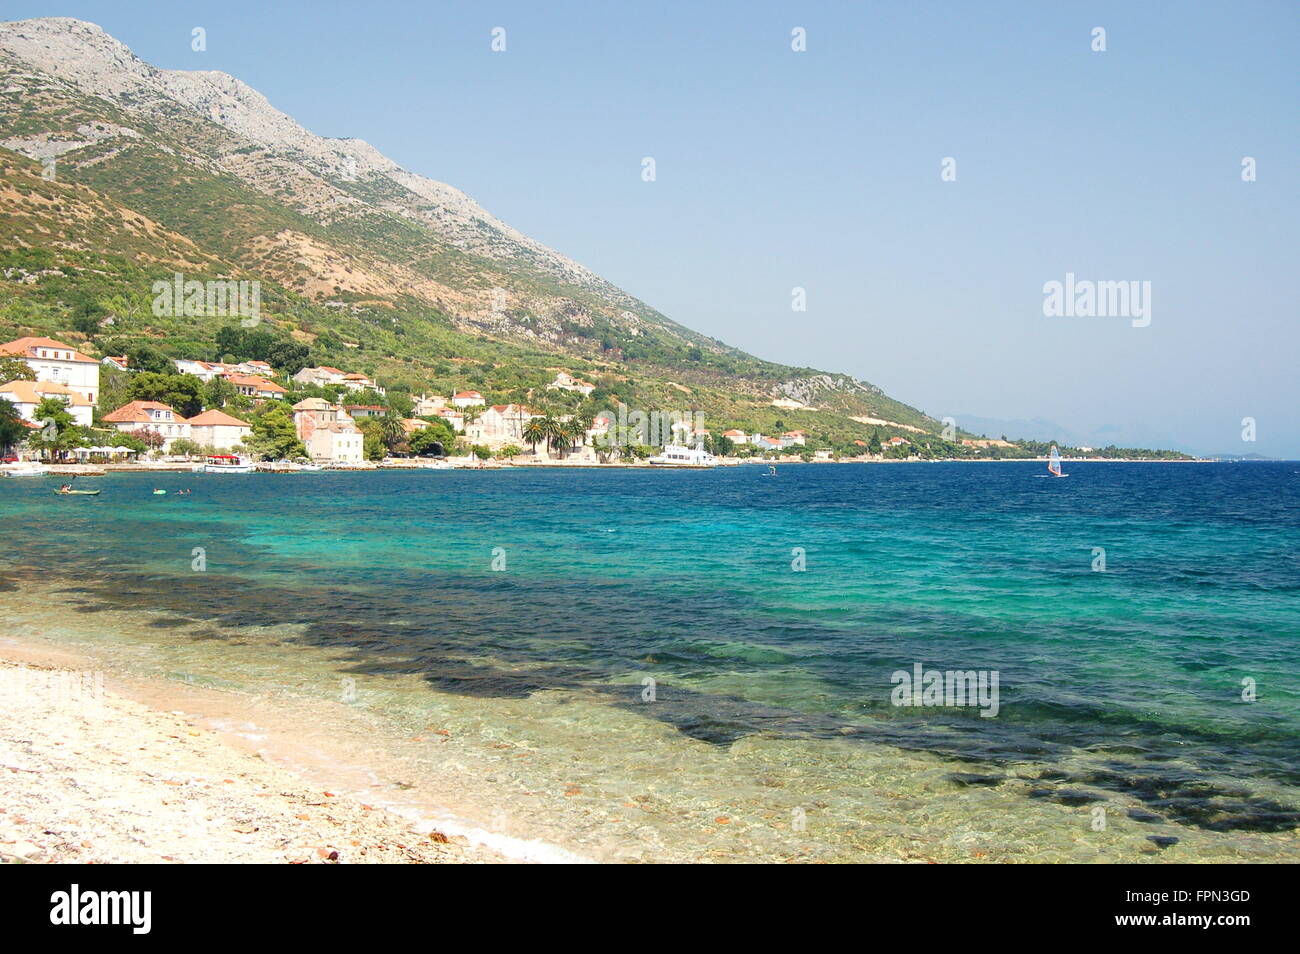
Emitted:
<point x="453" y="417"/>
<point x="468" y="399"/>
<point x="355" y="381"/>
<point x="736" y="437"/>
<point x="564" y="381"/>
<point x="327" y="431"/>
<point x="600" y="425"/>
<point x="254" y="385"/>
<point x="790" y="438"/>
<point x="219" y="430"/>
<point x="26" y="397"/>
<point x="149" y="415"/>
<point x="57" y="362"/>
<point x="429" y="404"/>
<point x="324" y="375"/>
<point x="320" y="376"/>
<point x="203" y="370"/>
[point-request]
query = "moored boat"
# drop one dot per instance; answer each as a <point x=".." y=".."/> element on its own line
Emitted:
<point x="228" y="464"/>
<point x="28" y="468"/>
<point x="678" y="455"/>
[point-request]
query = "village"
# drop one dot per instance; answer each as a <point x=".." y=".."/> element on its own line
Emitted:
<point x="325" y="417"/>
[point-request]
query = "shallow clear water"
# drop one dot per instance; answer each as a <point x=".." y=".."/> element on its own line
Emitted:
<point x="1119" y="690"/>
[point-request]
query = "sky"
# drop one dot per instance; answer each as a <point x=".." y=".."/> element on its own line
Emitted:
<point x="822" y="169"/>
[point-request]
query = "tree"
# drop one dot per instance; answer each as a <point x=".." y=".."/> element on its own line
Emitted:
<point x="12" y="428"/>
<point x="274" y="436"/>
<point x="130" y="441"/>
<point x="535" y="432"/>
<point x="552" y="428"/>
<point x="605" y="452"/>
<point x="372" y="444"/>
<point x="182" y="392"/>
<point x="144" y="439"/>
<point x="288" y="356"/>
<point x="401" y="401"/>
<point x="391" y="429"/>
<point x="873" y="445"/>
<point x="258" y="344"/>
<point x="86" y="318"/>
<point x="58" y="432"/>
<point x="721" y="446"/>
<point x="113" y="386"/>
<point x="567" y="436"/>
<point x="218" y="393"/>
<point x="145" y="357"/>
<point x="427" y="442"/>
<point x="15" y="369"/>
<point x="186" y="448"/>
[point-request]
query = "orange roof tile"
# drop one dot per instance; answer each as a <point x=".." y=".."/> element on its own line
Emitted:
<point x="255" y="381"/>
<point x="216" y="417"/>
<point x="134" y="413"/>
<point x="27" y="346"/>
<point x="31" y="392"/>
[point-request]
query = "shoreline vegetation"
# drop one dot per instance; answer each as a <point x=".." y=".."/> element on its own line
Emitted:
<point x="121" y="775"/>
<point x="275" y="467"/>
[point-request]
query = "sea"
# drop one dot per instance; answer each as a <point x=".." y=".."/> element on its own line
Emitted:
<point x="903" y="662"/>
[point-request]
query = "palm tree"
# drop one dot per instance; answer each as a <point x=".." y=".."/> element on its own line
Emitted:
<point x="391" y="429"/>
<point x="576" y="435"/>
<point x="535" y="431"/>
<point x="563" y="437"/>
<point x="552" y="428"/>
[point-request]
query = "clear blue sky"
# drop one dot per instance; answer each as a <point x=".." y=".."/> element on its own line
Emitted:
<point x="821" y="169"/>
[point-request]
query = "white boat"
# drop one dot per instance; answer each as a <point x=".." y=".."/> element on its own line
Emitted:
<point x="27" y="468"/>
<point x="678" y="455"/>
<point x="228" y="464"/>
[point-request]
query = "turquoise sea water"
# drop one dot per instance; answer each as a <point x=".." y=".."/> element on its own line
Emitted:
<point x="1121" y="688"/>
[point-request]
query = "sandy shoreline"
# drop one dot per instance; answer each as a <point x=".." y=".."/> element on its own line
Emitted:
<point x="91" y="775"/>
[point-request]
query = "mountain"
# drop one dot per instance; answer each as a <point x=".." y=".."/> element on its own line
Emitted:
<point x="115" y="175"/>
<point x="1041" y="429"/>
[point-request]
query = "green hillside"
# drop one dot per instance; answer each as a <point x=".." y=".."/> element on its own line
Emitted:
<point x="379" y="272"/>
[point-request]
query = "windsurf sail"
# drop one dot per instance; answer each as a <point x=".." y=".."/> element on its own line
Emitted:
<point x="1054" y="462"/>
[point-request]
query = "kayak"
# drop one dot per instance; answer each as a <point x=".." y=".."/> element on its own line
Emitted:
<point x="76" y="493"/>
<point x="159" y="493"/>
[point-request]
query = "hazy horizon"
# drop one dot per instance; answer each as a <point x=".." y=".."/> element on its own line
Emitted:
<point x="821" y="170"/>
